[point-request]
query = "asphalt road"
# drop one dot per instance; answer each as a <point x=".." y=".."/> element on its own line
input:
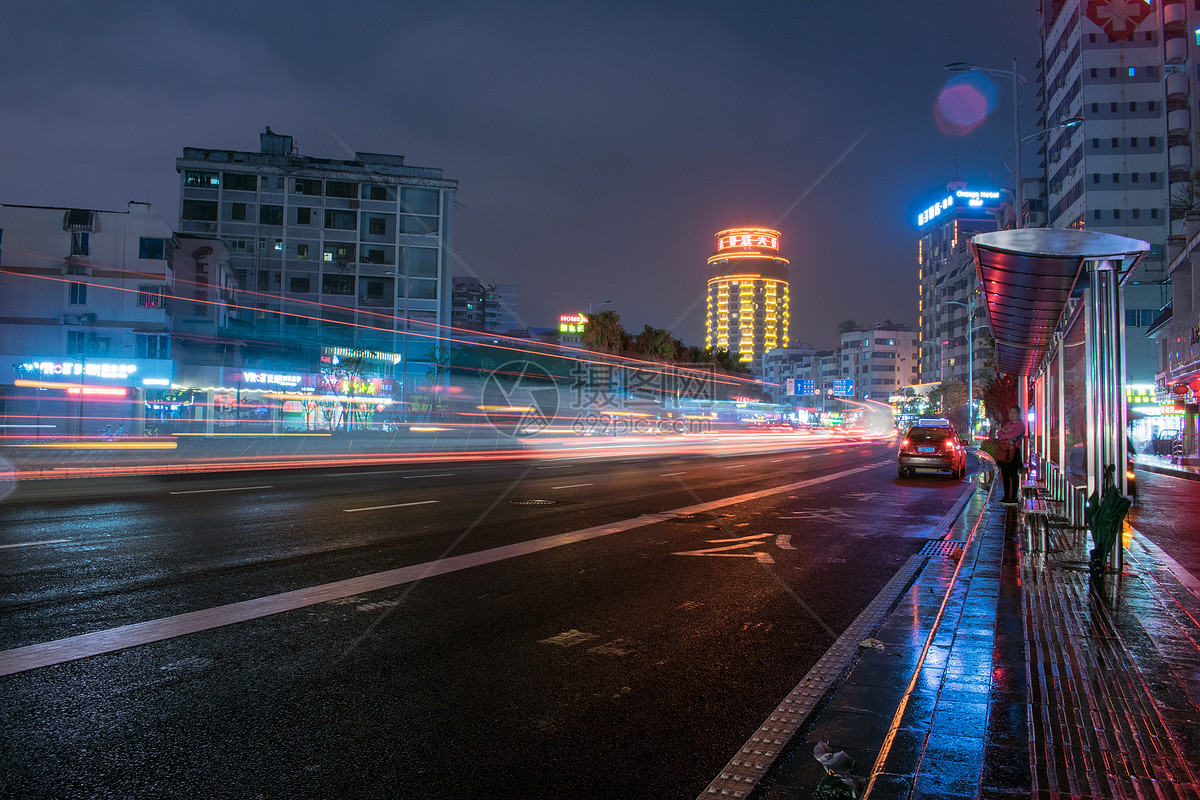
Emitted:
<point x="539" y="629"/>
<point x="1167" y="512"/>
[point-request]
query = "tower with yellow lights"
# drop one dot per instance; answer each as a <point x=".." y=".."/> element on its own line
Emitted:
<point x="747" y="309"/>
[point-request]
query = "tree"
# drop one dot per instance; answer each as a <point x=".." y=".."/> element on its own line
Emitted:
<point x="847" y="325"/>
<point x="655" y="343"/>
<point x="999" y="395"/>
<point x="605" y="333"/>
<point x="951" y="397"/>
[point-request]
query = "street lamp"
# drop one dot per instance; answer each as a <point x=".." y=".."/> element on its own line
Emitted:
<point x="964" y="66"/>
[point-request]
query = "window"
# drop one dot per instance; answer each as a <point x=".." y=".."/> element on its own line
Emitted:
<point x="341" y="220"/>
<point x="241" y="245"/>
<point x="372" y="191"/>
<point x="76" y="341"/>
<point x="303" y="216"/>
<point x="1096" y="214"/>
<point x="1095" y="144"/>
<point x="79" y="243"/>
<point x="150" y="297"/>
<point x="1116" y="213"/>
<point x="1095" y="177"/>
<point x="238" y="212"/>
<point x="302" y="252"/>
<point x="152" y="247"/>
<point x="1112" y="107"/>
<point x="1133" y="177"/>
<point x="240" y="181"/>
<point x="1154" y="213"/>
<point x="374" y="256"/>
<point x="1148" y="315"/>
<point x="1152" y="105"/>
<point x="1132" y="104"/>
<point x="341" y="189"/>
<point x="1115" y="141"/>
<point x="152" y="345"/>
<point x="299" y="284"/>
<point x="308" y="186"/>
<point x="1112" y="72"/>
<point x="418" y="225"/>
<point x="377" y="226"/>
<point x="1095" y="108"/>
<point x="270" y="215"/>
<point x="200" y="210"/>
<point x="1133" y="141"/>
<point x="422" y="290"/>
<point x="207" y="180"/>
<point x="78" y="294"/>
<point x="1095" y="73"/>
<point x="1136" y="213"/>
<point x="337" y="284"/>
<point x="1092" y="40"/>
<point x="1151" y="72"/>
<point x="1154" y="141"/>
<point x="1154" y="177"/>
<point x="1131" y="318"/>
<point x="1116" y="177"/>
<point x="422" y="262"/>
<point x="1133" y="74"/>
<point x="419" y="201"/>
<point x="335" y="251"/>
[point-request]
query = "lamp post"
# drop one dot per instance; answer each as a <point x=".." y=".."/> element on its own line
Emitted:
<point x="964" y="66"/>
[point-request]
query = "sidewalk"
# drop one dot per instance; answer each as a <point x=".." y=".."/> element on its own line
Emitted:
<point x="1164" y="465"/>
<point x="1008" y="676"/>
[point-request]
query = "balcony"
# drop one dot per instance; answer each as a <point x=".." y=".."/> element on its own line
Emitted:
<point x="1174" y="14"/>
<point x="1177" y="50"/>
<point x="1179" y="121"/>
<point x="1180" y="157"/>
<point x="1177" y="86"/>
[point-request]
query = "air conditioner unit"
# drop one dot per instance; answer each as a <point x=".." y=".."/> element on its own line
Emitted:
<point x="87" y="319"/>
<point x="66" y="319"/>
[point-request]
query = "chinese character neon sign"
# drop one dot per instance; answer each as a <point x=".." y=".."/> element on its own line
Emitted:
<point x="748" y="237"/>
<point x="571" y="323"/>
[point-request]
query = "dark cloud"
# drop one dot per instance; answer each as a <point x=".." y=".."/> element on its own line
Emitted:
<point x="598" y="146"/>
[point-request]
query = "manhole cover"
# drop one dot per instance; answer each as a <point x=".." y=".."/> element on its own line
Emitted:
<point x="940" y="547"/>
<point x="533" y="502"/>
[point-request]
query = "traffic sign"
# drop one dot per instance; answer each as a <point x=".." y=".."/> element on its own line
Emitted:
<point x="804" y="386"/>
<point x="843" y="387"/>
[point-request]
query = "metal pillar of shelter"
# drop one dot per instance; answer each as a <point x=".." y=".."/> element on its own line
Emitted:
<point x="1055" y="301"/>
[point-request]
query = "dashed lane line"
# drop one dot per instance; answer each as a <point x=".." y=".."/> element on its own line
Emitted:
<point x="74" y="648"/>
<point x="573" y="486"/>
<point x="231" y="489"/>
<point x="33" y="544"/>
<point x="393" y="505"/>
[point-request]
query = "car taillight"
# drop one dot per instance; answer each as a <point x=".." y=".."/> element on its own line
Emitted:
<point x="905" y="445"/>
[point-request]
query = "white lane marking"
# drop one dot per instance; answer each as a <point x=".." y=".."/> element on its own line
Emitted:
<point x="33" y="544"/>
<point x="557" y="466"/>
<point x="733" y="466"/>
<point x="61" y="651"/>
<point x="573" y="486"/>
<point x="776" y="460"/>
<point x="784" y="541"/>
<point x="393" y="505"/>
<point x="233" y="489"/>
<point x="435" y="475"/>
<point x="671" y="474"/>
<point x="742" y="539"/>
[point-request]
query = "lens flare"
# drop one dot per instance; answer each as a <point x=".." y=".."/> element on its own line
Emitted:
<point x="964" y="103"/>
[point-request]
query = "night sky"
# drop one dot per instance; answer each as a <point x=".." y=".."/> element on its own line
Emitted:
<point x="598" y="146"/>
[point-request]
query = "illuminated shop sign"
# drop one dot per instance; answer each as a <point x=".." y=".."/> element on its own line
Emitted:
<point x="748" y="237"/>
<point x="969" y="197"/>
<point x="271" y="378"/>
<point x="335" y="355"/>
<point x="571" y="323"/>
<point x="92" y="369"/>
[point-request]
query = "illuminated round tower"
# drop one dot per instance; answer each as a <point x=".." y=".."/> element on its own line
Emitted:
<point x="747" y="295"/>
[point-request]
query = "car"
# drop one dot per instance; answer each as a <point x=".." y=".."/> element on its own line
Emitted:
<point x="931" y="448"/>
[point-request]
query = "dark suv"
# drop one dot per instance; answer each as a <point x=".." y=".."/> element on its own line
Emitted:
<point x="936" y="449"/>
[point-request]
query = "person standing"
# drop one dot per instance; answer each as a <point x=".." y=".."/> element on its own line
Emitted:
<point x="1008" y="455"/>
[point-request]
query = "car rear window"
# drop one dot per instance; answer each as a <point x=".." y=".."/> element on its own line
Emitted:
<point x="929" y="433"/>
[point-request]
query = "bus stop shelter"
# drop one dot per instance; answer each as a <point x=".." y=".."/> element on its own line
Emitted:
<point x="1055" y="301"/>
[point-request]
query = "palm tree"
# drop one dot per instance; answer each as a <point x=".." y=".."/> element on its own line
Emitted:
<point x="655" y="343"/>
<point x="604" y="332"/>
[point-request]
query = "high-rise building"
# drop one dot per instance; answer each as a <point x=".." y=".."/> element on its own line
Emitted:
<point x="748" y="308"/>
<point x="880" y="360"/>
<point x="947" y="282"/>
<point x="1124" y="67"/>
<point x="345" y="253"/>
